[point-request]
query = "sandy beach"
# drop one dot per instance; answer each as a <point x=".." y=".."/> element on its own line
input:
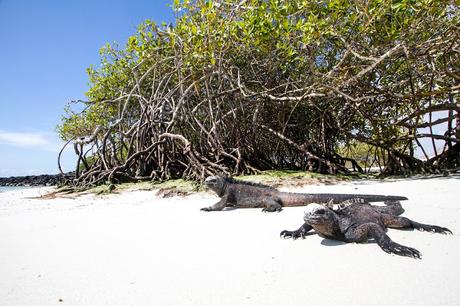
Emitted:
<point x="134" y="248"/>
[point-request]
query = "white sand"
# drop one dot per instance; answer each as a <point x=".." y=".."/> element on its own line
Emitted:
<point x="136" y="249"/>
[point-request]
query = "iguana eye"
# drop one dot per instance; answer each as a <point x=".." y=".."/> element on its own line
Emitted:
<point x="320" y="211"/>
<point x="211" y="180"/>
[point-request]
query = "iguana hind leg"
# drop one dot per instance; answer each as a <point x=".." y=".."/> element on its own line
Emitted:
<point x="363" y="231"/>
<point x="402" y="222"/>
<point x="271" y="205"/>
<point x="391" y="207"/>
<point x="300" y="233"/>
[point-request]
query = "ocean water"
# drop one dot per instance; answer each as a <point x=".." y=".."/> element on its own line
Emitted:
<point x="3" y="188"/>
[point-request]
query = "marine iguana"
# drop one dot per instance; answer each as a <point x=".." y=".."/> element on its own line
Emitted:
<point x="358" y="222"/>
<point x="243" y="194"/>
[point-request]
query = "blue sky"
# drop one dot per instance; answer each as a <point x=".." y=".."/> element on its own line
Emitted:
<point x="45" y="49"/>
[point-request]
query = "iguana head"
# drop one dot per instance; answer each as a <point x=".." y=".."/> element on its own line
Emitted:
<point x="321" y="218"/>
<point x="215" y="183"/>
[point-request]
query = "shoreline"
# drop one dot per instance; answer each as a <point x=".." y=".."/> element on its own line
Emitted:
<point x="13" y="188"/>
<point x="133" y="248"/>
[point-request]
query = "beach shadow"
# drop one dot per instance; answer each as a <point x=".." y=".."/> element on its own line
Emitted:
<point x="229" y="208"/>
<point x="330" y="242"/>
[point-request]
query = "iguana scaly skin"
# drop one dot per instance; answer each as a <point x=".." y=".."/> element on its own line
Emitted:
<point x="242" y="194"/>
<point x="359" y="222"/>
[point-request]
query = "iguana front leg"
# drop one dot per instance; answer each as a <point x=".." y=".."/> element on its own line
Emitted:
<point x="300" y="233"/>
<point x="402" y="222"/>
<point x="362" y="232"/>
<point x="218" y="206"/>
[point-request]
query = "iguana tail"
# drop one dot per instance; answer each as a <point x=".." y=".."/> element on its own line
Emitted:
<point x="302" y="199"/>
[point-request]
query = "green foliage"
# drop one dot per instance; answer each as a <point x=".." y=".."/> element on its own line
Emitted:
<point x="365" y="155"/>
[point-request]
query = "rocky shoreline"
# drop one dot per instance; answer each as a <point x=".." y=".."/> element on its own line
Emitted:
<point x="31" y="180"/>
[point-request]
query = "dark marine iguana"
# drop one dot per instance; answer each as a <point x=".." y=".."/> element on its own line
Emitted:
<point x="243" y="194"/>
<point x="359" y="222"/>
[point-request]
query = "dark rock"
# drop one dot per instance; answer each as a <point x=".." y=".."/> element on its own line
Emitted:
<point x="34" y="180"/>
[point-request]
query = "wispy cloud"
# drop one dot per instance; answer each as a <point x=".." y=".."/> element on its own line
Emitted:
<point x="23" y="139"/>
